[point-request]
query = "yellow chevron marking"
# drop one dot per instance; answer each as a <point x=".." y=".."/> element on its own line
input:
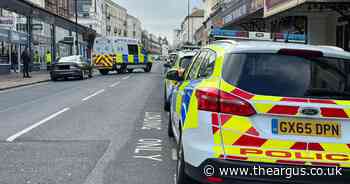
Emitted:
<point x="280" y="144"/>
<point x="266" y="98"/>
<point x="263" y="108"/>
<point x="333" y="147"/>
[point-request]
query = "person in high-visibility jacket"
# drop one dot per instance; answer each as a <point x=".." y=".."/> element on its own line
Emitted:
<point x="48" y="60"/>
<point x="36" y="57"/>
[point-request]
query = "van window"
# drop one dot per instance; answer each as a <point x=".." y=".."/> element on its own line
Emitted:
<point x="289" y="76"/>
<point x="133" y="49"/>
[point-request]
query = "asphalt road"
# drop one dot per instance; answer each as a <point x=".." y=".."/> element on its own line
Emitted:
<point x="108" y="129"/>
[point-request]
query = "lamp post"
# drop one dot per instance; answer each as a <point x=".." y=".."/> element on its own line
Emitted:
<point x="76" y="28"/>
<point x="188" y="22"/>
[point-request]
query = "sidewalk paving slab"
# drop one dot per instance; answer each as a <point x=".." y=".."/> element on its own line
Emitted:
<point x="15" y="80"/>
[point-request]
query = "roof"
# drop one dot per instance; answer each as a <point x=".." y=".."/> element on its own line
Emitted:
<point x="186" y="53"/>
<point x="274" y="47"/>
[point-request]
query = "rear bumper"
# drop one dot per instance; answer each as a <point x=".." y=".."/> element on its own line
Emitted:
<point x="255" y="173"/>
<point x="65" y="73"/>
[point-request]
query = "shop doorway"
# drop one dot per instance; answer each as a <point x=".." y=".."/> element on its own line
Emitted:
<point x="343" y="36"/>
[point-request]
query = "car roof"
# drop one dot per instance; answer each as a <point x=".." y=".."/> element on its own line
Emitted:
<point x="70" y="58"/>
<point x="186" y="54"/>
<point x="243" y="46"/>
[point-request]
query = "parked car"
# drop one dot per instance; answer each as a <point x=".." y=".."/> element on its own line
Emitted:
<point x="71" y="67"/>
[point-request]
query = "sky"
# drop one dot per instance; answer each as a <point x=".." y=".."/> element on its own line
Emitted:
<point x="159" y="17"/>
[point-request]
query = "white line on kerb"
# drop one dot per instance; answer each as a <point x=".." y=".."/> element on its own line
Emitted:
<point x="97" y="93"/>
<point x="114" y="85"/>
<point x="15" y="136"/>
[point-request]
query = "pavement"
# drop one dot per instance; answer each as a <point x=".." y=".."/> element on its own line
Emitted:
<point x="105" y="130"/>
<point x="14" y="80"/>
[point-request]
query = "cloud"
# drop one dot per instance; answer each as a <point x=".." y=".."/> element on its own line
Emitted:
<point x="160" y="17"/>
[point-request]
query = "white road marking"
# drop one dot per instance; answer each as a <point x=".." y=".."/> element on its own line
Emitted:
<point x="114" y="85"/>
<point x="95" y="94"/>
<point x="127" y="77"/>
<point x="15" y="136"/>
<point x="174" y="154"/>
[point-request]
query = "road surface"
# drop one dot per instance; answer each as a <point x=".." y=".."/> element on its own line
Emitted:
<point x="108" y="129"/>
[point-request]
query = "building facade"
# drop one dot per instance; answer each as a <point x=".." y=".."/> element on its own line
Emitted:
<point x="92" y="14"/>
<point x="116" y="19"/>
<point x="134" y="29"/>
<point x="190" y="25"/>
<point x="47" y="30"/>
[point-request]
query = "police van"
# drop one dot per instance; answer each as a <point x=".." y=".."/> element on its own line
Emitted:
<point x="120" y="54"/>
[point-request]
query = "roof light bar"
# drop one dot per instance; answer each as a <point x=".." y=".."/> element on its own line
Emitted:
<point x="263" y="36"/>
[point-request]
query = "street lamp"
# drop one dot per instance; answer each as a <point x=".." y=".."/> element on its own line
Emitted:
<point x="76" y="28"/>
<point x="188" y="22"/>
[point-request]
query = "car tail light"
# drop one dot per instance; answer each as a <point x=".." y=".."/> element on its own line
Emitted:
<point x="213" y="100"/>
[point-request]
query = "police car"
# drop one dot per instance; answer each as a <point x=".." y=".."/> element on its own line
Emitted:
<point x="183" y="61"/>
<point x="245" y="103"/>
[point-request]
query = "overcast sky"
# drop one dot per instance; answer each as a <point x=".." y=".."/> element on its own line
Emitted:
<point x="159" y="16"/>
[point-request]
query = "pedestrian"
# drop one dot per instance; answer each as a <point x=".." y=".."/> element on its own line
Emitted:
<point x="48" y="60"/>
<point x="26" y="62"/>
<point x="14" y="61"/>
<point x="36" y="57"/>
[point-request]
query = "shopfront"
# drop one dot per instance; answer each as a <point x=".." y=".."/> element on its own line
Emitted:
<point x="11" y="43"/>
<point x="322" y="22"/>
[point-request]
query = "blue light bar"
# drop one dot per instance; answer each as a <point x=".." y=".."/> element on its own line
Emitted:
<point x="297" y="38"/>
<point x="228" y="33"/>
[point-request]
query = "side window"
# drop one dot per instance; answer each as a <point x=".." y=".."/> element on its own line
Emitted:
<point x="195" y="66"/>
<point x="207" y="67"/>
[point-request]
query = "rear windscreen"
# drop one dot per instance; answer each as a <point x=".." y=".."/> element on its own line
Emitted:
<point x="133" y="49"/>
<point x="186" y="62"/>
<point x="289" y="76"/>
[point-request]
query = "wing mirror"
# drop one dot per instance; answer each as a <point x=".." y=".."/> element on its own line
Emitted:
<point x="175" y="75"/>
<point x="167" y="65"/>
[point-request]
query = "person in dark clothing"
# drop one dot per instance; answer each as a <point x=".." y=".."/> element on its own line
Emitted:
<point x="26" y="62"/>
<point x="14" y="61"/>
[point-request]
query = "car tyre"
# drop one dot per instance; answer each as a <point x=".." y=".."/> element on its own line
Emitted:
<point x="170" y="127"/>
<point x="104" y="72"/>
<point x="53" y="78"/>
<point x="166" y="102"/>
<point x="181" y="176"/>
<point x="130" y="70"/>
<point x="148" y="68"/>
<point x="90" y="74"/>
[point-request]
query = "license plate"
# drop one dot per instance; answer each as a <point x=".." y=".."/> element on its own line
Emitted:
<point x="306" y="128"/>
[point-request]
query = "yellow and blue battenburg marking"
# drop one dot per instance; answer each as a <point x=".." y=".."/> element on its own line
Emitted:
<point x="109" y="60"/>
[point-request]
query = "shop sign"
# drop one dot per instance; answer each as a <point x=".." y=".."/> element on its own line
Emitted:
<point x="236" y="14"/>
<point x="256" y="5"/>
<point x="17" y="37"/>
<point x="37" y="27"/>
<point x="272" y="7"/>
<point x="7" y="21"/>
<point x="4" y="34"/>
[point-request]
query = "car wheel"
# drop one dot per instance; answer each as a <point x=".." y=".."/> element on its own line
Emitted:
<point x="130" y="70"/>
<point x="53" y="78"/>
<point x="170" y="127"/>
<point x="82" y="75"/>
<point x="166" y="102"/>
<point x="181" y="176"/>
<point x="148" y="68"/>
<point x="90" y="74"/>
<point x="104" y="72"/>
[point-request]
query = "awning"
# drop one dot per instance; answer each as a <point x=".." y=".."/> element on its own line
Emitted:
<point x="26" y="8"/>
